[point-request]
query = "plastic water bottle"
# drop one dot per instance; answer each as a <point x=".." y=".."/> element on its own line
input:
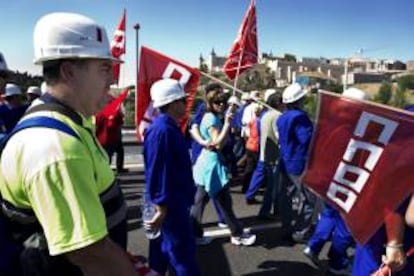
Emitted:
<point x="148" y="213"/>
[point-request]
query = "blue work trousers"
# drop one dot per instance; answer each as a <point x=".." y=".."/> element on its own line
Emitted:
<point x="332" y="226"/>
<point x="175" y="248"/>
<point x="257" y="180"/>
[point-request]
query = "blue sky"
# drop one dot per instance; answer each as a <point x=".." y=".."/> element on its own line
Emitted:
<point x="183" y="29"/>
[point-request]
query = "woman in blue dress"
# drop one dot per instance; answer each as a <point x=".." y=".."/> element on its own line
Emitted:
<point x="210" y="173"/>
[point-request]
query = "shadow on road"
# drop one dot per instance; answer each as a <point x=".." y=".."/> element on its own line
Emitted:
<point x="273" y="268"/>
<point x="212" y="258"/>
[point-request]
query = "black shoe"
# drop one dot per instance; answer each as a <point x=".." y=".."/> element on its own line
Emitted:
<point x="299" y="237"/>
<point x="122" y="170"/>
<point x="265" y="217"/>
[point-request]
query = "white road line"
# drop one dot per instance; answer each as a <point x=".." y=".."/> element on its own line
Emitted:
<point x="132" y="166"/>
<point x="226" y="232"/>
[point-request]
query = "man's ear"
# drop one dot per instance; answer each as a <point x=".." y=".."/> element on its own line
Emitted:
<point x="67" y="71"/>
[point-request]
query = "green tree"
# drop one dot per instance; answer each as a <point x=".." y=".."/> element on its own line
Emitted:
<point x="400" y="98"/>
<point x="310" y="105"/>
<point x="289" y="57"/>
<point x="384" y="94"/>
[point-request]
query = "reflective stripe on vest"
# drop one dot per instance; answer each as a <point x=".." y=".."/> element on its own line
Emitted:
<point x="111" y="199"/>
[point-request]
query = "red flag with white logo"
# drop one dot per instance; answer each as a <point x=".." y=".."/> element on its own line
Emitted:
<point x="153" y="67"/>
<point x="243" y="53"/>
<point x="118" y="45"/>
<point x="361" y="161"/>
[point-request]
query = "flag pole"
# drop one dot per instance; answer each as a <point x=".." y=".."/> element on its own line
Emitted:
<point x="136" y="28"/>
<point x="235" y="89"/>
<point x="236" y="79"/>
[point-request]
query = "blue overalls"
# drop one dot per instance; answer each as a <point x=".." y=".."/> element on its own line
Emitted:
<point x="332" y="226"/>
<point x="295" y="132"/>
<point x="10" y="116"/>
<point x="169" y="182"/>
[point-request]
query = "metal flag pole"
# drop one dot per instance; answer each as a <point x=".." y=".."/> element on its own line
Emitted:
<point x="235" y="89"/>
<point x="136" y="28"/>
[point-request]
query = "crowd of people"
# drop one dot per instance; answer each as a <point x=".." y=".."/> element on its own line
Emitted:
<point x="63" y="212"/>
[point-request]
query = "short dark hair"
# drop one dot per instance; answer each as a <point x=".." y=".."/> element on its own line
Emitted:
<point x="51" y="69"/>
<point x="213" y="87"/>
<point x="275" y="100"/>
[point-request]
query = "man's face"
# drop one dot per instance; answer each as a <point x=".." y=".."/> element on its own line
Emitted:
<point x="180" y="106"/>
<point x="93" y="81"/>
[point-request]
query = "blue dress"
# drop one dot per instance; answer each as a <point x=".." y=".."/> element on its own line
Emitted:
<point x="209" y="170"/>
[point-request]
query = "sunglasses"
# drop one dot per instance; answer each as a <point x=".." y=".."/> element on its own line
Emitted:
<point x="219" y="102"/>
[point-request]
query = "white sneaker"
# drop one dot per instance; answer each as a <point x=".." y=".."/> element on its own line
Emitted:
<point x="203" y="240"/>
<point x="222" y="225"/>
<point x="312" y="256"/>
<point x="245" y="239"/>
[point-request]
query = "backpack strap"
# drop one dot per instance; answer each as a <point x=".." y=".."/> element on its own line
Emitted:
<point x="57" y="107"/>
<point x="39" y="121"/>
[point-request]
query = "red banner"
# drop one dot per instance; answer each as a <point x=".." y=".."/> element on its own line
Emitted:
<point x="243" y="54"/>
<point x="155" y="66"/>
<point x="118" y="45"/>
<point x="361" y="161"/>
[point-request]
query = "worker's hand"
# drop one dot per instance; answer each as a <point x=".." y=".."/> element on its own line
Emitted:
<point x="228" y="118"/>
<point x="394" y="257"/>
<point x="157" y="220"/>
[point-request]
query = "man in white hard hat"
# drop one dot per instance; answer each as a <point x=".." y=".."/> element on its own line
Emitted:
<point x="13" y="108"/>
<point x="32" y="93"/>
<point x="169" y="183"/>
<point x="295" y="132"/>
<point x="61" y="179"/>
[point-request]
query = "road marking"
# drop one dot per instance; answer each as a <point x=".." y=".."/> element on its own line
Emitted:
<point x="226" y="232"/>
<point x="132" y="166"/>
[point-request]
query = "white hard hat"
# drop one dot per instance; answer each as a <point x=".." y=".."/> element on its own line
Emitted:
<point x="43" y="87"/>
<point x="355" y="93"/>
<point x="34" y="90"/>
<point x="3" y="64"/>
<point x="12" y="90"/>
<point x="268" y="93"/>
<point x="234" y="100"/>
<point x="245" y="97"/>
<point x="64" y="35"/>
<point x="166" y="91"/>
<point x="254" y="94"/>
<point x="292" y="93"/>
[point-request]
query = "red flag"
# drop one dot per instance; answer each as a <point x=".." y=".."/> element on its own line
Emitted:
<point x="243" y="54"/>
<point x="155" y="66"/>
<point x="112" y="108"/>
<point x="118" y="45"/>
<point x="361" y="160"/>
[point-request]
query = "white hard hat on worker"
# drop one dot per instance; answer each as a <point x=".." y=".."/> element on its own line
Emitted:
<point x="76" y="58"/>
<point x="166" y="91"/>
<point x="355" y="93"/>
<point x="12" y="90"/>
<point x="69" y="36"/>
<point x="293" y="93"/>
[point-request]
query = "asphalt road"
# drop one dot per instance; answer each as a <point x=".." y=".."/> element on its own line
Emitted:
<point x="269" y="256"/>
